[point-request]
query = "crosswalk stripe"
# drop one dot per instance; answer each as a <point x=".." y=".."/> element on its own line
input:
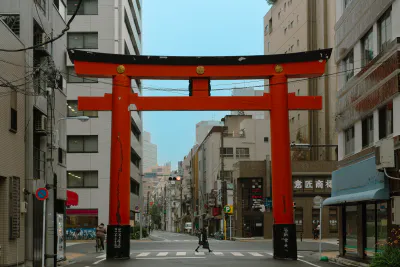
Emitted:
<point x="237" y="254"/>
<point x="256" y="254"/>
<point x="181" y="254"/>
<point x="218" y="253"/>
<point x="144" y="254"/>
<point x="161" y="254"/>
<point x="199" y="253"/>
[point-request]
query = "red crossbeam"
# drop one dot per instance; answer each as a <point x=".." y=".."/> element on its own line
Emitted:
<point x="199" y="103"/>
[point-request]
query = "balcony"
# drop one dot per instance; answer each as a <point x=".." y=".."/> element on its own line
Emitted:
<point x="39" y="164"/>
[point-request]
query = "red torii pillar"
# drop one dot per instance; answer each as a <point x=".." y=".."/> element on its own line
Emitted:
<point x="200" y="70"/>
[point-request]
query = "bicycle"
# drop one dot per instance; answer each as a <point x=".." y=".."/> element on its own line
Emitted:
<point x="98" y="244"/>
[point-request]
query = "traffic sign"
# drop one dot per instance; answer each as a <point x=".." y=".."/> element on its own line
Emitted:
<point x="228" y="209"/>
<point x="318" y="200"/>
<point x="42" y="193"/>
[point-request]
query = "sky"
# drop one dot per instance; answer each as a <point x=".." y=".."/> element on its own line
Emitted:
<point x="195" y="28"/>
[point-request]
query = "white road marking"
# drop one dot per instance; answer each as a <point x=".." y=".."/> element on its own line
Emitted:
<point x="255" y="254"/>
<point x="199" y="253"/>
<point x="144" y="254"/>
<point x="299" y="256"/>
<point x="101" y="256"/>
<point x="98" y="261"/>
<point x="237" y="254"/>
<point x="309" y="263"/>
<point x="181" y="254"/>
<point x="170" y="258"/>
<point x="218" y="253"/>
<point x="162" y="254"/>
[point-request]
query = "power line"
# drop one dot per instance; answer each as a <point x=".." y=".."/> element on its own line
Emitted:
<point x="67" y="27"/>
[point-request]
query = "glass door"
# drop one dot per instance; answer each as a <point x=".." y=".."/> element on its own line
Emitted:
<point x="351" y="229"/>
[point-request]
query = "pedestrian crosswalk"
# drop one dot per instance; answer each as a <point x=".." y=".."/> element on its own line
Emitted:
<point x="161" y="254"/>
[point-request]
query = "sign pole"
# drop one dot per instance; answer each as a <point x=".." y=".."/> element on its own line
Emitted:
<point x="320" y="230"/>
<point x="44" y="233"/>
<point x="230" y="227"/>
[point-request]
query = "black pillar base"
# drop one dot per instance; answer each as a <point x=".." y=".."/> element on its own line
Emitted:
<point x="118" y="242"/>
<point x="285" y="243"/>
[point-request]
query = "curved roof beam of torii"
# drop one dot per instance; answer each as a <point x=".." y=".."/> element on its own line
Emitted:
<point x="295" y="65"/>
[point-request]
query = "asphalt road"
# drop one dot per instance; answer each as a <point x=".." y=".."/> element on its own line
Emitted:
<point x="177" y="250"/>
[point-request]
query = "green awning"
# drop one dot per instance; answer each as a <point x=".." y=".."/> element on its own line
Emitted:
<point x="370" y="195"/>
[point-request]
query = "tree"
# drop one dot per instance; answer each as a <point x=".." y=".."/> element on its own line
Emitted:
<point x="155" y="213"/>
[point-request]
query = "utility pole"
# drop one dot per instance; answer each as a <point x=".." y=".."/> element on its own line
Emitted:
<point x="148" y="211"/>
<point x="181" y="208"/>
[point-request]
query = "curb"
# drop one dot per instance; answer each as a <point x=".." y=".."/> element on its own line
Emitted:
<point x="346" y="262"/>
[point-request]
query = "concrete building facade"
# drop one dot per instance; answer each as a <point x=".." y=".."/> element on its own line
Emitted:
<point x="149" y="152"/>
<point x="367" y="49"/>
<point x="110" y="27"/>
<point x="297" y="26"/>
<point x="203" y="127"/>
<point x="34" y="119"/>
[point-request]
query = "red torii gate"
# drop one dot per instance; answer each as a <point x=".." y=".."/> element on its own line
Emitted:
<point x="199" y="71"/>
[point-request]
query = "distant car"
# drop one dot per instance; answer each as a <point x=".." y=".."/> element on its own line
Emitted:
<point x="188" y="227"/>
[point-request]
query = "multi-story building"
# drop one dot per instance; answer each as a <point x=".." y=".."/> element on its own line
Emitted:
<point x="202" y="129"/>
<point x="149" y="152"/>
<point x="257" y="115"/>
<point x="365" y="188"/>
<point x="293" y="26"/>
<point x="241" y="138"/>
<point x="110" y="27"/>
<point x="32" y="132"/>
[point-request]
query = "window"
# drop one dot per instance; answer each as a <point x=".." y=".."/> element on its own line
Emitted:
<point x="82" y="144"/>
<point x="298" y="219"/>
<point x="74" y="112"/>
<point x="284" y="30"/>
<point x="131" y="35"/>
<point x="298" y="42"/>
<point x="386" y="121"/>
<point x="88" y="7"/>
<point x="333" y="220"/>
<point x="135" y="187"/>
<point x="135" y="159"/>
<point x="227" y="152"/>
<point x="270" y="25"/>
<point x="135" y="130"/>
<point x="82" y="179"/>
<point x="298" y="91"/>
<point x="62" y="156"/>
<point x="385" y="30"/>
<point x="284" y="6"/>
<point x="349" y="141"/>
<point x="348" y="64"/>
<point x="83" y="40"/>
<point x="279" y="15"/>
<point x="298" y="116"/>
<point x="13" y="112"/>
<point x="367" y="48"/>
<point x="368" y="131"/>
<point x="12" y="21"/>
<point x="243" y="153"/>
<point x="41" y="4"/>
<point x="74" y="78"/>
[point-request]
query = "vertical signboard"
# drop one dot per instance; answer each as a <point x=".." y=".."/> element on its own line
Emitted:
<point x="60" y="237"/>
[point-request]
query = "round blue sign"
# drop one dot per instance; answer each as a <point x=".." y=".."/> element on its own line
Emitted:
<point x="42" y="194"/>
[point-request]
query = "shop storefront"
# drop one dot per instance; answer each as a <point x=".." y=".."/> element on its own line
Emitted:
<point x="81" y="224"/>
<point x="362" y="195"/>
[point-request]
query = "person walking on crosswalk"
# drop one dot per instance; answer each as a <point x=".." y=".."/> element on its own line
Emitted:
<point x="203" y="241"/>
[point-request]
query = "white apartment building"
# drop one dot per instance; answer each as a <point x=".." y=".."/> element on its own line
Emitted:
<point x="257" y="115"/>
<point x="203" y="128"/>
<point x="149" y="152"/>
<point x="109" y="27"/>
<point x="241" y="138"/>
<point x="367" y="49"/>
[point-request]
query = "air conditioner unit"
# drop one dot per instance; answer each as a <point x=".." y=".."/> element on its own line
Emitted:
<point x="41" y="124"/>
<point x="384" y="154"/>
<point x="395" y="210"/>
